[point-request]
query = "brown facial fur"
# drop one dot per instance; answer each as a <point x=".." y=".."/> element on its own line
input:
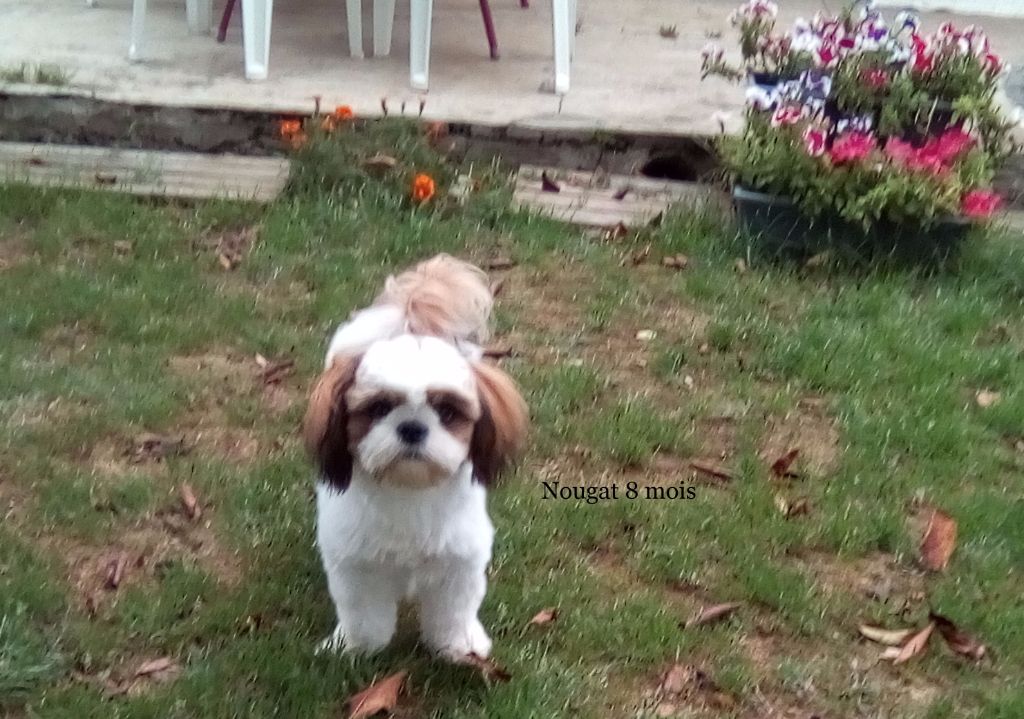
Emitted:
<point x="500" y="432"/>
<point x="326" y="425"/>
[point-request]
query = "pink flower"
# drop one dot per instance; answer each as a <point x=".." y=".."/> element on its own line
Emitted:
<point x="951" y="144"/>
<point x="826" y="56"/>
<point x="875" y="79"/>
<point x="992" y="64"/>
<point x="980" y="204"/>
<point x="787" y="115"/>
<point x="851" y="147"/>
<point x="814" y="141"/>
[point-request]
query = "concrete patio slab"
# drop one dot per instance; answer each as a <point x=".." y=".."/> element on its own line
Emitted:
<point x="626" y="76"/>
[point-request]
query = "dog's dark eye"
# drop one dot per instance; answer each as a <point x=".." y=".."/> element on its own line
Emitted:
<point x="447" y="412"/>
<point x="379" y="409"/>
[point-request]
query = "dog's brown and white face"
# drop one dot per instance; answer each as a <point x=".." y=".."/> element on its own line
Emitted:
<point x="410" y="412"/>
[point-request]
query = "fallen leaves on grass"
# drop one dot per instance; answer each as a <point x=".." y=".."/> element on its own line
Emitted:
<point x="381" y="696"/>
<point x="913" y="647"/>
<point x="617" y="232"/>
<point x="790" y="509"/>
<point x="491" y="671"/>
<point x="232" y="246"/>
<point x="939" y="541"/>
<point x="683" y="681"/>
<point x="149" y="446"/>
<point x="640" y="256"/>
<point x="544" y="616"/>
<point x="986" y="398"/>
<point x="956" y="639"/>
<point x="275" y="372"/>
<point x="711" y="470"/>
<point x="676" y="262"/>
<point x="189" y="501"/>
<point x="888" y="637"/>
<point x="155" y="667"/>
<point x="379" y="164"/>
<point x="547" y="184"/>
<point x="115" y="571"/>
<point x="712" y="614"/>
<point x="781" y="467"/>
<point x="502" y="262"/>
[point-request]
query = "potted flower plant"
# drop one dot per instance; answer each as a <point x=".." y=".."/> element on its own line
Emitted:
<point x="884" y="141"/>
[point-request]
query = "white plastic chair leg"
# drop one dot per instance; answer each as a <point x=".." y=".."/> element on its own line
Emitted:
<point x="354" y="10"/>
<point x="563" y="27"/>
<point x="138" y="27"/>
<point x="383" y="23"/>
<point x="573" y="19"/>
<point x="419" y="43"/>
<point x="256" y="20"/>
<point x="200" y="16"/>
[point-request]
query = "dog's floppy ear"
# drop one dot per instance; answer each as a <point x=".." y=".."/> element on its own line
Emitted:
<point x="500" y="432"/>
<point x="325" y="427"/>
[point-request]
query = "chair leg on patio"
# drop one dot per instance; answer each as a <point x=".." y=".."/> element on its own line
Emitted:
<point x="562" y="29"/>
<point x="200" y="16"/>
<point x="138" y="27"/>
<point x="383" y="23"/>
<point x="354" y="10"/>
<point x="492" y="38"/>
<point x="225" y="20"/>
<point x="419" y="43"/>
<point x="256" y="20"/>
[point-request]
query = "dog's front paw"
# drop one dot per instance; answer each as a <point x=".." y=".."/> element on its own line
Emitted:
<point x="472" y="639"/>
<point x="334" y="643"/>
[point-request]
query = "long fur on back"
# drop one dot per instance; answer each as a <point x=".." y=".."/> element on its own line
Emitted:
<point x="444" y="297"/>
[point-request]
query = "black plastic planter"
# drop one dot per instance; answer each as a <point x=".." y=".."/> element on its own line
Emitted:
<point x="776" y="227"/>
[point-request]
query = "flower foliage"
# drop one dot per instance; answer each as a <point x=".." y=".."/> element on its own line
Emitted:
<point x="870" y="121"/>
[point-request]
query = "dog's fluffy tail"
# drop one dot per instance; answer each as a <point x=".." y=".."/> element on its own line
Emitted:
<point x="444" y="297"/>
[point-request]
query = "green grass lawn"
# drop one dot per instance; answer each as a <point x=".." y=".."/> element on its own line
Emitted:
<point x="119" y="320"/>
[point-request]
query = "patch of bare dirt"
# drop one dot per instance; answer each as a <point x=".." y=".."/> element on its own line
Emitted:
<point x="878" y="577"/>
<point x="226" y="375"/>
<point x="12" y="253"/>
<point x="140" y="554"/>
<point x="809" y="428"/>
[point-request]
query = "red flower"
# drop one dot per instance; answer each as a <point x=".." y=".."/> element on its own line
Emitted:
<point x="980" y="204"/>
<point x="826" y="56"/>
<point x="814" y="141"/>
<point x="951" y="144"/>
<point x="875" y="79"/>
<point x="786" y="115"/>
<point x="851" y="147"/>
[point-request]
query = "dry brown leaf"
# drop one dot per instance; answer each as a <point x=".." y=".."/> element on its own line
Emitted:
<point x="675" y="679"/>
<point x="781" y="466"/>
<point x="189" y="501"/>
<point x="676" y="262"/>
<point x="617" y="232"/>
<point x="498" y="352"/>
<point x="547" y="184"/>
<point x="939" y="541"/>
<point x="381" y="696"/>
<point x="914" y="645"/>
<point x="714" y="613"/>
<point x="711" y="470"/>
<point x="115" y="571"/>
<point x="227" y="261"/>
<point x="500" y="263"/>
<point x="276" y="372"/>
<point x="497" y="286"/>
<point x="986" y="398"/>
<point x="488" y="668"/>
<point x="956" y="639"/>
<point x="155" y="666"/>
<point x="704" y="348"/>
<point x="888" y="637"/>
<point x="149" y="446"/>
<point x="544" y="616"/>
<point x="640" y="256"/>
<point x="379" y="164"/>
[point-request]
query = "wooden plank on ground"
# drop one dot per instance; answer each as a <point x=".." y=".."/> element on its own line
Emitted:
<point x="597" y="199"/>
<point x="144" y="172"/>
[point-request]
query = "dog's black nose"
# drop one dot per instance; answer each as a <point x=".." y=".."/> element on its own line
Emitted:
<point x="412" y="432"/>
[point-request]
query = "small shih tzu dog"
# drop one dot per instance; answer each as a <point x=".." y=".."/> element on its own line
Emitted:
<point x="407" y="426"/>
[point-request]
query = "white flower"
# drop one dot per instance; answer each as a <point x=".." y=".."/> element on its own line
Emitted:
<point x="760" y="99"/>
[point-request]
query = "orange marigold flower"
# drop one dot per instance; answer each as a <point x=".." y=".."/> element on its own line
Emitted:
<point x="343" y="112"/>
<point x="423" y="188"/>
<point x="290" y="128"/>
